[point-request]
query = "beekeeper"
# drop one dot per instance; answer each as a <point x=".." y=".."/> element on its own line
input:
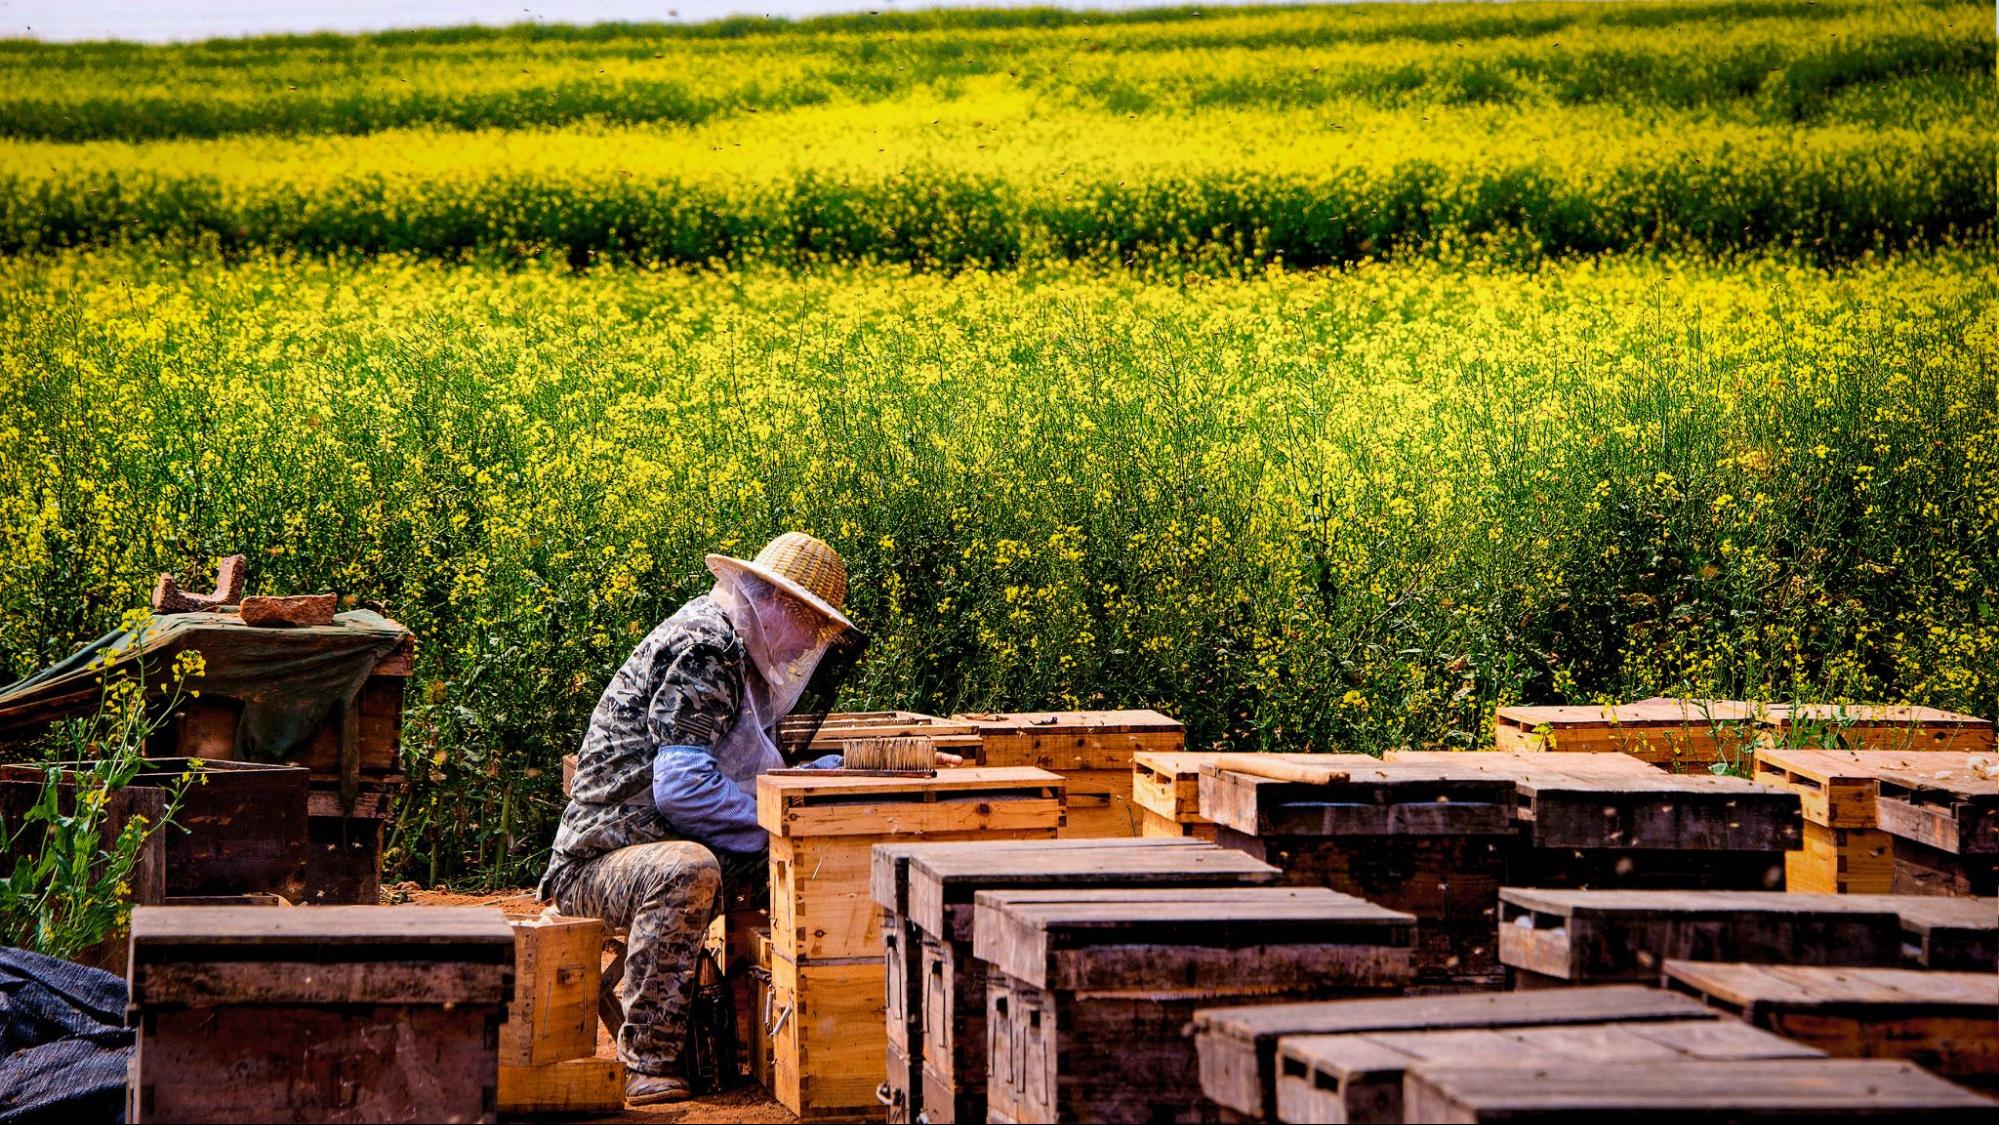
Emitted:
<point x="663" y="812"/>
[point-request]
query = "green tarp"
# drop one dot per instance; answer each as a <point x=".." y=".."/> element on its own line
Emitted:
<point x="290" y="680"/>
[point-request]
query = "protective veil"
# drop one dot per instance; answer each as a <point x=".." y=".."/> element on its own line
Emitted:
<point x="786" y="643"/>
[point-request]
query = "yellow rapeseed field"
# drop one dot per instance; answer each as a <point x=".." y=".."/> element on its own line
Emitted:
<point x="1323" y="376"/>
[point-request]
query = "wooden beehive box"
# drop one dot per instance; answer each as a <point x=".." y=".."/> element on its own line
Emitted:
<point x="548" y="1044"/>
<point x="1238" y="1046"/>
<point x="1753" y="1090"/>
<point x="1435" y="839"/>
<point x="1943" y="933"/>
<point x="1945" y="821"/>
<point x="933" y="887"/>
<point x="1093" y="750"/>
<point x="828" y="979"/>
<point x="1358" y="1078"/>
<point x="1678" y="733"/>
<point x="383" y="1013"/>
<point x="1945" y="1021"/>
<point x="1089" y="991"/>
<point x="1576" y="937"/>
<point x="1166" y="787"/>
<point x="1872" y="726"/>
<point x="1842" y="849"/>
<point x="1593" y="821"/>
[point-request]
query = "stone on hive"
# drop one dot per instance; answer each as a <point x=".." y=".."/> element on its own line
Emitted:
<point x="295" y="610"/>
<point x="168" y="597"/>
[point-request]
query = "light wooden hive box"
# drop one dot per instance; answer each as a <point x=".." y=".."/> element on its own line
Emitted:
<point x="349" y="1013"/>
<point x="937" y="988"/>
<point x="1879" y="822"/>
<point x="1089" y="992"/>
<point x="828" y="998"/>
<point x="548" y="1045"/>
<point x="1092" y="750"/>
<point x="1689" y="733"/>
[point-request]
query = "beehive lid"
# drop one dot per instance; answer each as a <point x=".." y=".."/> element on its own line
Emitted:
<point x="1870" y="714"/>
<point x="837" y="803"/>
<point x="321" y="928"/>
<point x="1374" y="798"/>
<point x="1213" y="937"/>
<point x="1782" y="1087"/>
<point x="1755" y="991"/>
<point x="943" y="878"/>
<point x="1658" y="711"/>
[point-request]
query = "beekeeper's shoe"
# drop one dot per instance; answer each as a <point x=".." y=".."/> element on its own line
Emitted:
<point x="656" y="1089"/>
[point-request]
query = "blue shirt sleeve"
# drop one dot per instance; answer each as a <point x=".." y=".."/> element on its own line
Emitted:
<point x="701" y="804"/>
<point x="825" y="762"/>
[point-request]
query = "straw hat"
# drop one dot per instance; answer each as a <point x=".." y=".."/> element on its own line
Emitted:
<point x="806" y="568"/>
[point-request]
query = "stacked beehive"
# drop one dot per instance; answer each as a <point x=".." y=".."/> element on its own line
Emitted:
<point x="827" y="987"/>
<point x="1089" y="991"/>
<point x="1092" y="750"/>
<point x="1433" y="839"/>
<point x="937" y="988"/>
<point x="548" y="1044"/>
<point x="1877" y="821"/>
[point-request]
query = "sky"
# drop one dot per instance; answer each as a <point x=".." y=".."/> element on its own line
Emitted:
<point x="162" y="21"/>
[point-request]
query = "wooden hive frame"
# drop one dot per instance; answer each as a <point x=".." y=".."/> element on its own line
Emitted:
<point x="1945" y="1021"/>
<point x="1238" y="1045"/>
<point x="1358" y="1078"/>
<point x="933" y="887"/>
<point x="1089" y="990"/>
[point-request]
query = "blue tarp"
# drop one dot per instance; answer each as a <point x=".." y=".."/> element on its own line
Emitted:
<point x="64" y="1046"/>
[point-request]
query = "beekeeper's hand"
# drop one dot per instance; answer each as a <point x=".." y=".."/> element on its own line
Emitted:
<point x="944" y="759"/>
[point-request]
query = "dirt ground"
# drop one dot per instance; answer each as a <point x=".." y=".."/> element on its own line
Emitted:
<point x="749" y="1103"/>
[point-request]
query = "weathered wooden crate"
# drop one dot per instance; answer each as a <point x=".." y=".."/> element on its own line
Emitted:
<point x="1755" y="1090"/>
<point x="1945" y="820"/>
<point x="1944" y="933"/>
<point x="1358" y="1078"/>
<point x="1575" y="937"/>
<point x="829" y="987"/>
<point x="241" y="828"/>
<point x="329" y="1014"/>
<point x="933" y="885"/>
<point x="1945" y="1021"/>
<point x="1238" y="1045"/>
<point x="1089" y="991"/>
<point x="1092" y="749"/>
<point x="1166" y="786"/>
<point x="553" y="1017"/>
<point x="1435" y="839"/>
<point x="344" y="843"/>
<point x="1872" y="726"/>
<point x="1678" y="733"/>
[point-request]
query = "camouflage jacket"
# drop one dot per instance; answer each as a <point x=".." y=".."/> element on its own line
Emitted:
<point x="683" y="686"/>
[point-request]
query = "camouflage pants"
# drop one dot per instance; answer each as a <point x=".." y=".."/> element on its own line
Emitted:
<point x="664" y="895"/>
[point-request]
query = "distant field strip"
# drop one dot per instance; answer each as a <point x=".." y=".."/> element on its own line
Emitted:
<point x="1302" y="137"/>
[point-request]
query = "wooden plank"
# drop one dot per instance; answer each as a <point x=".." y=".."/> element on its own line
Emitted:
<point x="1626" y="935"/>
<point x="1359" y="1077"/>
<point x="584" y="1085"/>
<point x="1376" y="799"/>
<point x="1238" y="1045"/>
<point x="1753" y="1090"/>
<point x="211" y="984"/>
<point x="1137" y="938"/>
<point x="557" y="965"/>
<point x="470" y="932"/>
